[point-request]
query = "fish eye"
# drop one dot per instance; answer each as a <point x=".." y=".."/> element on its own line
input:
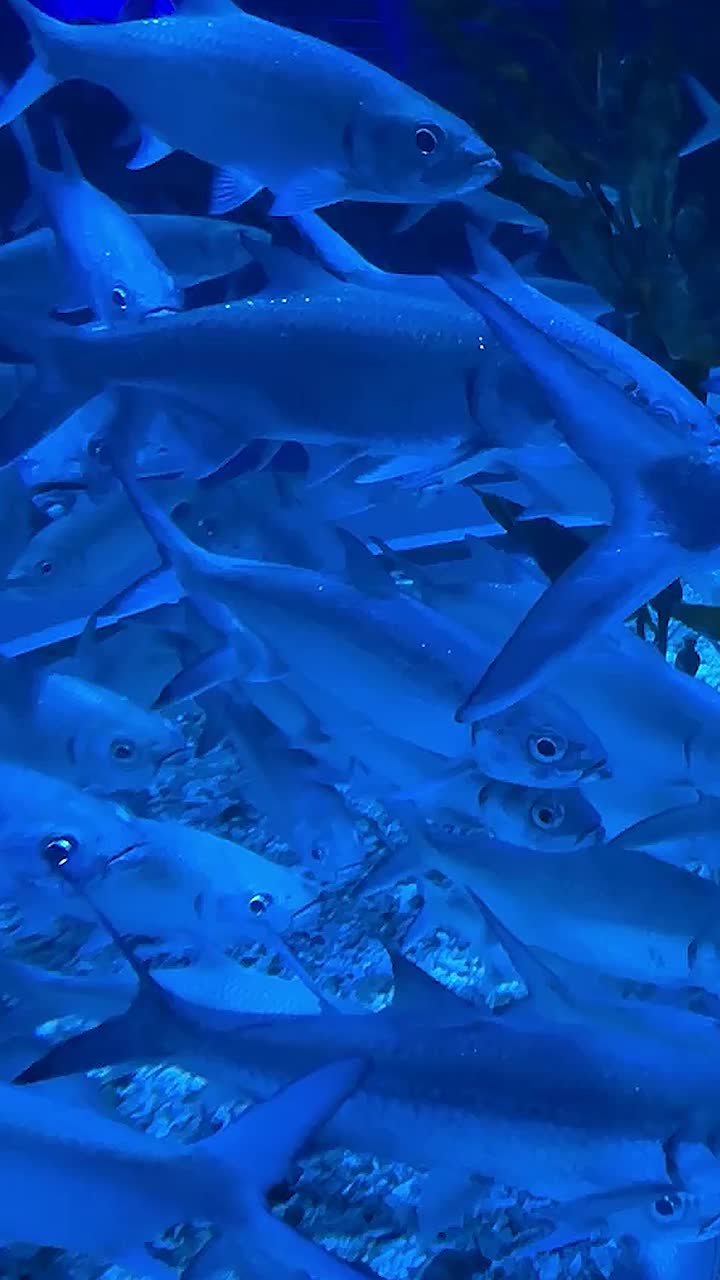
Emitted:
<point x="427" y="139"/>
<point x="667" y="1207"/>
<point x="57" y="850"/>
<point x="120" y="297"/>
<point x="97" y="449"/>
<point x="44" y="567"/>
<point x="547" y="816"/>
<point x="123" y="749"/>
<point x="260" y="903"/>
<point x="317" y="853"/>
<point x="545" y="747"/>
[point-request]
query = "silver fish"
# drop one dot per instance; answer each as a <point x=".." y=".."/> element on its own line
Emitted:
<point x="326" y="126"/>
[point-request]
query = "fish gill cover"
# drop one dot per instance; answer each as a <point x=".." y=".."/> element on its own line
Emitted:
<point x="359" y="632"/>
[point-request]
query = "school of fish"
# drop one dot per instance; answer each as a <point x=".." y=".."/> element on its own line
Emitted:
<point x="335" y="773"/>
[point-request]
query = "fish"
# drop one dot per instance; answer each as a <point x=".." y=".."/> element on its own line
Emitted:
<point x="616" y="911"/>
<point x="648" y="384"/>
<point x="71" y="566"/>
<point x="81" y="731"/>
<point x="61" y="1156"/>
<point x="177" y="881"/>
<point x="213" y="361"/>
<point x="488" y="210"/>
<point x="564" y="1144"/>
<point x="192" y="249"/>
<point x="529" y="167"/>
<point x="392" y="144"/>
<point x="107" y="262"/>
<point x="366" y="633"/>
<point x="638" y="706"/>
<point x="556" y="821"/>
<point x="293" y="788"/>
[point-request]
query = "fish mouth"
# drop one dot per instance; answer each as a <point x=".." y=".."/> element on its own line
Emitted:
<point x="161" y="311"/>
<point x="599" y="769"/>
<point x="591" y="835"/>
<point x="118" y="857"/>
<point x="485" y="170"/>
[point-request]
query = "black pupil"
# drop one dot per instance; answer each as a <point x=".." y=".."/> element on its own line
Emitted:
<point x="58" y="851"/>
<point x="545" y="816"/>
<point x="546" y="747"/>
<point x="45" y="566"/>
<point x="665" y="1207"/>
<point x="258" y="905"/>
<point x="119" y="297"/>
<point x="122" y="750"/>
<point x="426" y="141"/>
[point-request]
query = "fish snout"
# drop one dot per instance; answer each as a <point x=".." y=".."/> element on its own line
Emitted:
<point x="486" y="167"/>
<point x="597" y="771"/>
<point x="591" y="836"/>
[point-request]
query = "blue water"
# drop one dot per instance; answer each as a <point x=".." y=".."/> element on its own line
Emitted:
<point x="359" y="644"/>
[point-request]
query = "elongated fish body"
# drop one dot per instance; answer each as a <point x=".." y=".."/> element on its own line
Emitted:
<point x="617" y="911"/>
<point x="312" y="122"/>
<point x="347" y="364"/>
<point x="551" y="1109"/>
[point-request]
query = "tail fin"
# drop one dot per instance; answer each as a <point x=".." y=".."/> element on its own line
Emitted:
<point x="258" y="1149"/>
<point x="141" y="1034"/>
<point x="617" y="573"/>
<point x="35" y="80"/>
<point x="709" y="107"/>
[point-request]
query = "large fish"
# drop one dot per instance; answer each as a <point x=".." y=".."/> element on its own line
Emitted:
<point x="310" y="121"/>
<point x="349" y="357"/>
<point x="549" y="1108"/>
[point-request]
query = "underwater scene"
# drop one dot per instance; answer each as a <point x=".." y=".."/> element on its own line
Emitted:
<point x="359" y="640"/>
